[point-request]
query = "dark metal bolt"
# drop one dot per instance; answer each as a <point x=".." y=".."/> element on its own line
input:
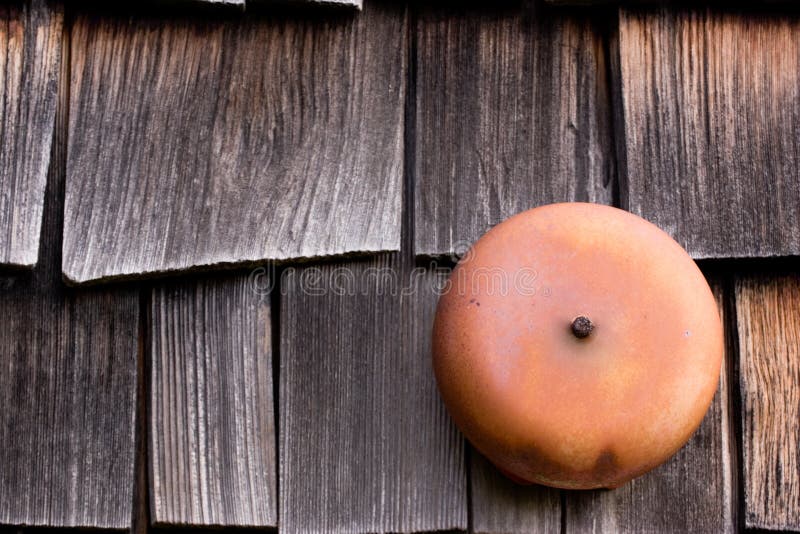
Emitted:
<point x="582" y="327"/>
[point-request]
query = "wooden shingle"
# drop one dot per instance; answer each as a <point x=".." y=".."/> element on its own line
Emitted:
<point x="258" y="137"/>
<point x="67" y="387"/>
<point x="768" y="313"/>
<point x="502" y="506"/>
<point x="710" y="149"/>
<point x="365" y="442"/>
<point x="212" y="421"/>
<point x="30" y="38"/>
<point x="68" y="380"/>
<point x="512" y="111"/>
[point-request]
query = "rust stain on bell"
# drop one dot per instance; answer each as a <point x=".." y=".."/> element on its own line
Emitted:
<point x="595" y="352"/>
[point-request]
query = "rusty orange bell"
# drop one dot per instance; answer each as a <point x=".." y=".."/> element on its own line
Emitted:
<point x="577" y="346"/>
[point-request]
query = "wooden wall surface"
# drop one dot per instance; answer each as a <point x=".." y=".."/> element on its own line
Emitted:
<point x="400" y="132"/>
<point x="68" y="378"/>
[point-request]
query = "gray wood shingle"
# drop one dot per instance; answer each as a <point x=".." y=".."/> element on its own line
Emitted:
<point x="365" y="441"/>
<point x="512" y="111"/>
<point x="259" y="137"/>
<point x="710" y="148"/>
<point x="502" y="506"/>
<point x="212" y="421"/>
<point x="30" y="55"/>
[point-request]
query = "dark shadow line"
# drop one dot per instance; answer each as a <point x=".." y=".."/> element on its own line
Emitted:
<point x="141" y="508"/>
<point x="408" y="208"/>
<point x="735" y="423"/>
<point x="275" y="338"/>
<point x="619" y="149"/>
<point x="468" y="470"/>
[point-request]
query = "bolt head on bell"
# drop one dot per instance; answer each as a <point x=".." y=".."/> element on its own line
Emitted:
<point x="582" y="326"/>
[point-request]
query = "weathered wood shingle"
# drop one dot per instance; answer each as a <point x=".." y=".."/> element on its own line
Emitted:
<point x="68" y="377"/>
<point x="365" y="442"/>
<point x="710" y="148"/>
<point x="512" y="112"/>
<point x="30" y="55"/>
<point x="199" y="142"/>
<point x="768" y="313"/>
<point x="67" y="388"/>
<point x="212" y="422"/>
<point x="500" y="506"/>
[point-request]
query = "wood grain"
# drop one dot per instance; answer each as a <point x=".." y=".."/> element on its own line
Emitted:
<point x="256" y="137"/>
<point x="711" y="110"/>
<point x="692" y="492"/>
<point x="30" y="53"/>
<point x="67" y="385"/>
<point x="768" y="316"/>
<point x="365" y="442"/>
<point x="501" y="506"/>
<point x="212" y="421"/>
<point x="512" y="111"/>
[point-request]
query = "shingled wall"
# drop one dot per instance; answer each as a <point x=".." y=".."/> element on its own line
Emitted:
<point x="174" y="178"/>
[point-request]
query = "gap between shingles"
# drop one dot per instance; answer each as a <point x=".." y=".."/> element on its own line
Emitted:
<point x="468" y="470"/>
<point x="734" y="406"/>
<point x="275" y="338"/>
<point x="408" y="202"/>
<point x="141" y="494"/>
<point x="616" y="114"/>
